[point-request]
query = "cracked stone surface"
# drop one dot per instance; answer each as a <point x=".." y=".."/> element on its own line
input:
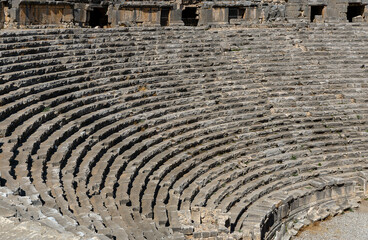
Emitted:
<point x="30" y="230"/>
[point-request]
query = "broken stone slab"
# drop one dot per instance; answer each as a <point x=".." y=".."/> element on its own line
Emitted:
<point x="6" y="210"/>
<point x="4" y="192"/>
<point x="51" y="222"/>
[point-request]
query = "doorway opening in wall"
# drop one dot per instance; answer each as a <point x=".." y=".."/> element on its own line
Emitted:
<point x="236" y="13"/>
<point x="98" y="17"/>
<point x="354" y="10"/>
<point x="164" y="19"/>
<point x="316" y="11"/>
<point x="190" y="16"/>
<point x="1" y="14"/>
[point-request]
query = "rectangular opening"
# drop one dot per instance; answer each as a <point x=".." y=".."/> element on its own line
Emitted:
<point x="164" y="19"/>
<point x="189" y="16"/>
<point x="98" y="17"/>
<point x="241" y="13"/>
<point x="316" y="11"/>
<point x="236" y="13"/>
<point x="233" y="13"/>
<point x="1" y="14"/>
<point x="354" y="10"/>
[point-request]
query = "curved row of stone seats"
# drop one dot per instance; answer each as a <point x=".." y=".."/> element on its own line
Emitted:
<point x="22" y="70"/>
<point x="53" y="76"/>
<point x="354" y="116"/>
<point x="13" y="109"/>
<point x="251" y="198"/>
<point x="119" y="147"/>
<point x="92" y="169"/>
<point x="273" y="209"/>
<point x="19" y="207"/>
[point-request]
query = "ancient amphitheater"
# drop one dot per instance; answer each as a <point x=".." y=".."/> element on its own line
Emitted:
<point x="242" y="127"/>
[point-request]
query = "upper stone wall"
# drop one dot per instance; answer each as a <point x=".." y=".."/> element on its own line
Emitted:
<point x="95" y="13"/>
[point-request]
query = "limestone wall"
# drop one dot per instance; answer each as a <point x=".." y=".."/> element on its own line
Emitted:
<point x="334" y="10"/>
<point x="220" y="14"/>
<point x="139" y="16"/>
<point x="148" y="13"/>
<point x="43" y="14"/>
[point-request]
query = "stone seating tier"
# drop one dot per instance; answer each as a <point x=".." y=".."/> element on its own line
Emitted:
<point x="181" y="132"/>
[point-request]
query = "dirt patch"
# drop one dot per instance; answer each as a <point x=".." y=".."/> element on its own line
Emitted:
<point x="352" y="224"/>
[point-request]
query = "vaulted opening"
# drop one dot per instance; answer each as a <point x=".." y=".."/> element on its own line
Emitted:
<point x="164" y="19"/>
<point x="316" y="11"/>
<point x="354" y="10"/>
<point x="190" y="16"/>
<point x="98" y="17"/>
